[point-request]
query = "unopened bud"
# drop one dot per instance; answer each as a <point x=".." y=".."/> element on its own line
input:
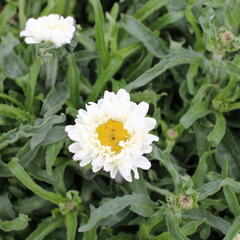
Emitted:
<point x="185" y="201"/>
<point x="172" y="134"/>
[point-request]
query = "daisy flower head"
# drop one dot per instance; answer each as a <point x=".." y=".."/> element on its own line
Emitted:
<point x="52" y="28"/>
<point x="113" y="135"/>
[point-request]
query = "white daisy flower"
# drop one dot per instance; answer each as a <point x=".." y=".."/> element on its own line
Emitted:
<point x="113" y="134"/>
<point x="52" y="28"/>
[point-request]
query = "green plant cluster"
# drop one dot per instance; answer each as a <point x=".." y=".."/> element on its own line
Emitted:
<point x="180" y="56"/>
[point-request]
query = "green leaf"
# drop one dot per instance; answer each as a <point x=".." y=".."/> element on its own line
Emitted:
<point x="166" y="19"/>
<point x="54" y="100"/>
<point x="90" y="235"/>
<point x="47" y="226"/>
<point x="71" y="224"/>
<point x="27" y="181"/>
<point x="14" y="66"/>
<point x="234" y="230"/>
<point x="201" y="214"/>
<point x="42" y="128"/>
<point x="99" y="28"/>
<point x="191" y="74"/>
<point x="116" y="61"/>
<point x="6" y="207"/>
<point x="232" y="200"/>
<point x="169" y="165"/>
<point x="154" y="44"/>
<point x="113" y="207"/>
<point x="209" y="188"/>
<point x="8" y="43"/>
<point x="31" y="84"/>
<point x="195" y="112"/>
<point x="51" y="154"/>
<point x="148" y="8"/>
<point x="16" y="224"/>
<point x="202" y="169"/>
<point x="173" y="227"/>
<point x="73" y="79"/>
<point x="219" y="129"/>
<point x="6" y="14"/>
<point x="175" y="58"/>
<point x="14" y="112"/>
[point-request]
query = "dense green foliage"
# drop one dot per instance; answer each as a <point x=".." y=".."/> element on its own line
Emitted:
<point x="180" y="56"/>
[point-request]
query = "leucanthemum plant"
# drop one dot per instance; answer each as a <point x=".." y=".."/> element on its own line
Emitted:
<point x="53" y="28"/>
<point x="113" y="134"/>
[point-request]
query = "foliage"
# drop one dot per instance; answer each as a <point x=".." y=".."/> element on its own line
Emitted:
<point x="180" y="56"/>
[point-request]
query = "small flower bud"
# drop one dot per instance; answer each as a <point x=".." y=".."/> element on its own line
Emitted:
<point x="185" y="201"/>
<point x="172" y="134"/>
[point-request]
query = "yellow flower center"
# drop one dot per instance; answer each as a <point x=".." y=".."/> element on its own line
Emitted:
<point x="111" y="133"/>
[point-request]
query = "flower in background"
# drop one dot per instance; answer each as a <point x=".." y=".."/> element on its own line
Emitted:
<point x="52" y="28"/>
<point x="113" y="134"/>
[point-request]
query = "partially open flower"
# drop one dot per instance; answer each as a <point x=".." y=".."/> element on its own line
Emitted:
<point x="53" y="28"/>
<point x="113" y="134"/>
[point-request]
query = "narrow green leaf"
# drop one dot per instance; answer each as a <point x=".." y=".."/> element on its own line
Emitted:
<point x="90" y="235"/>
<point x="191" y="227"/>
<point x="16" y="224"/>
<point x="6" y="14"/>
<point x="191" y="74"/>
<point x="55" y="100"/>
<point x="8" y="43"/>
<point x="6" y="207"/>
<point x="173" y="227"/>
<point x="73" y="79"/>
<point x="202" y="169"/>
<point x="31" y="84"/>
<point x="219" y="129"/>
<point x="113" y="207"/>
<point x="11" y="99"/>
<point x="166" y="19"/>
<point x="14" y="112"/>
<point x="71" y="224"/>
<point x="99" y="27"/>
<point x="148" y="8"/>
<point x="51" y="64"/>
<point x="201" y="214"/>
<point x="51" y="155"/>
<point x="194" y="113"/>
<point x="169" y="165"/>
<point x="27" y="181"/>
<point x="153" y="43"/>
<point x="114" y="65"/>
<point x="47" y="226"/>
<point x="209" y="188"/>
<point x="175" y="58"/>
<point x="234" y="230"/>
<point x="232" y="200"/>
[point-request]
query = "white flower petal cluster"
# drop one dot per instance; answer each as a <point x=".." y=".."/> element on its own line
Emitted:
<point x="119" y="109"/>
<point x="52" y="28"/>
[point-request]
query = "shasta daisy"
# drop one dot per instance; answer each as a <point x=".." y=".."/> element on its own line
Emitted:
<point x="113" y="134"/>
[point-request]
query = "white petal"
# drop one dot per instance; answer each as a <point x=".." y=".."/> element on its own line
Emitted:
<point x="150" y="123"/>
<point x="85" y="162"/>
<point x="123" y="95"/>
<point x="75" y="147"/>
<point x="143" y="108"/>
<point x="30" y="40"/>
<point x="143" y="163"/>
<point x="74" y="132"/>
<point x="136" y="174"/>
